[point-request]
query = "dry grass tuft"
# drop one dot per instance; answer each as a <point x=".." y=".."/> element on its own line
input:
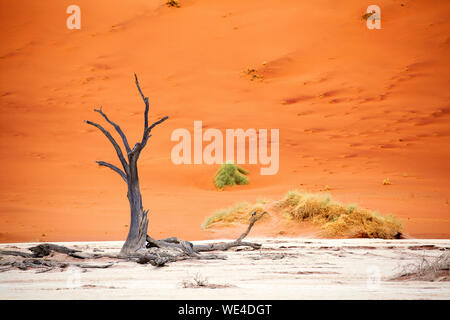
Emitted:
<point x="336" y="219"/>
<point x="241" y="213"/>
<point x="253" y="74"/>
<point x="197" y="281"/>
<point x="437" y="269"/>
<point x="202" y="282"/>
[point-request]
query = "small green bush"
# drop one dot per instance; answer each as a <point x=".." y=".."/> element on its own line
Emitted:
<point x="230" y="174"/>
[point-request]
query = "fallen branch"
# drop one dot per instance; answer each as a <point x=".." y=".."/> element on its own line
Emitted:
<point x="45" y="249"/>
<point x="192" y="250"/>
<point x="16" y="253"/>
<point x="95" y="266"/>
<point x="222" y="246"/>
<point x="158" y="253"/>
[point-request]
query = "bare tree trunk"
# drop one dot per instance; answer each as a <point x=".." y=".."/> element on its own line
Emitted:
<point x="137" y="234"/>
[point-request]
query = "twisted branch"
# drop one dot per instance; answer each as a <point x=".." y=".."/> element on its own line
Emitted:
<point x="146" y="104"/>
<point x="118" y="129"/>
<point x="146" y="135"/>
<point x="114" y="168"/>
<point x="114" y="143"/>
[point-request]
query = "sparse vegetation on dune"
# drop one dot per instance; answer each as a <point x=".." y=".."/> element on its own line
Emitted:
<point x="173" y="3"/>
<point x="241" y="213"/>
<point x="334" y="218"/>
<point x="253" y="74"/>
<point x="230" y="174"/>
<point x="337" y="219"/>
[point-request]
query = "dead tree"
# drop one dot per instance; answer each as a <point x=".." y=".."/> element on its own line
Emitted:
<point x="137" y="233"/>
<point x="138" y="247"/>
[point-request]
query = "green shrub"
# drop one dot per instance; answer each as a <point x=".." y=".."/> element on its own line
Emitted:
<point x="229" y="174"/>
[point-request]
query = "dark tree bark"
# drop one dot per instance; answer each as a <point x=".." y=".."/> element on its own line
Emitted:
<point x="191" y="249"/>
<point x="157" y="253"/>
<point x="137" y="233"/>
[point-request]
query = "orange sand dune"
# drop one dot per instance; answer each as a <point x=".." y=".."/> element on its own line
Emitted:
<point x="354" y="106"/>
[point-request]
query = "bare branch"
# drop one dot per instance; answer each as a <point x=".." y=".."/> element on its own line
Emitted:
<point x="193" y="250"/>
<point x="114" y="168"/>
<point x="146" y="103"/>
<point x="146" y="135"/>
<point x="252" y="222"/>
<point x="118" y="129"/>
<point x="114" y="143"/>
<point x="236" y="243"/>
<point x="155" y="124"/>
<point x="148" y="130"/>
<point x="16" y="253"/>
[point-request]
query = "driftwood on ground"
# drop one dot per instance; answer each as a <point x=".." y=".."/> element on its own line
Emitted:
<point x="191" y="249"/>
<point x="157" y="253"/>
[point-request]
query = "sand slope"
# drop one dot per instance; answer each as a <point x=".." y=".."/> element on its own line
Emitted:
<point x="354" y="106"/>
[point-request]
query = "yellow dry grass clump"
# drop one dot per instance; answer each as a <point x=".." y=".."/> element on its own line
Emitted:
<point x="241" y="213"/>
<point x="336" y="219"/>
